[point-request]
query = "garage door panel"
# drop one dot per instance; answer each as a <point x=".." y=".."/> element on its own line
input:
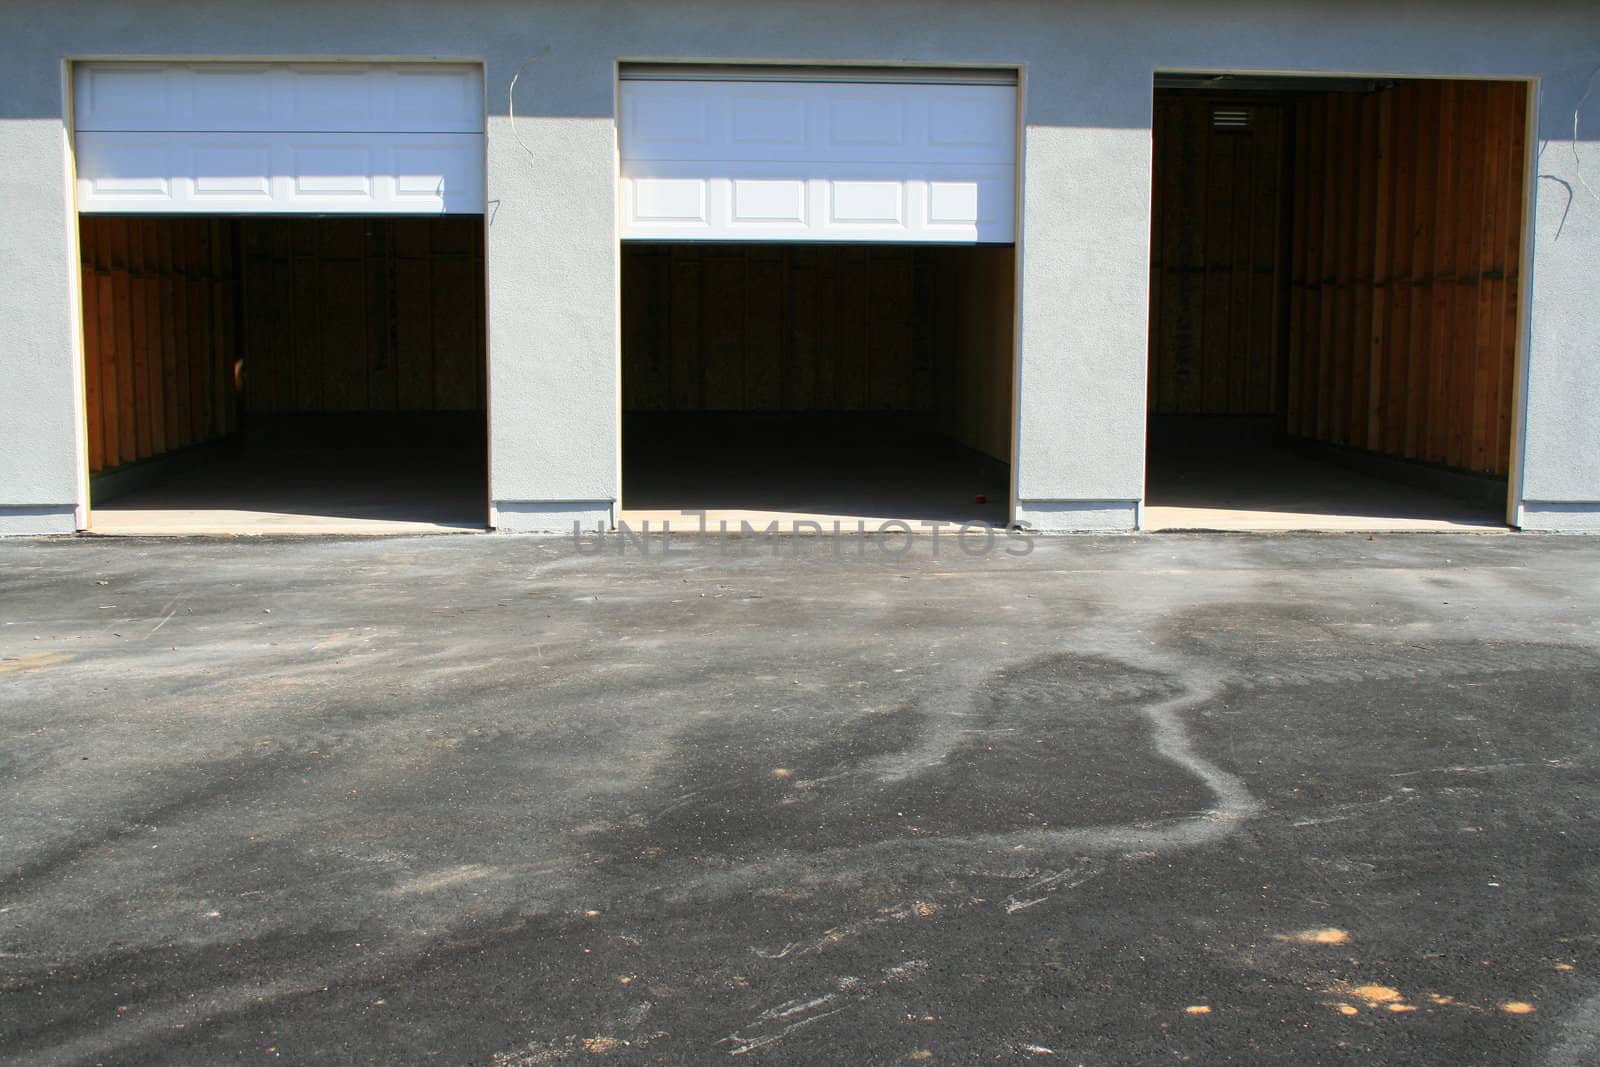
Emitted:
<point x="823" y="161"/>
<point x="861" y="201"/>
<point x="350" y="138"/>
<point x="311" y="97"/>
<point x="248" y="173"/>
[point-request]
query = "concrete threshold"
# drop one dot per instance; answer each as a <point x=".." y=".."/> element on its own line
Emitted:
<point x="1172" y="519"/>
<point x="182" y="522"/>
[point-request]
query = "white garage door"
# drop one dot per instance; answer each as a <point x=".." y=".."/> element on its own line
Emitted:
<point x="231" y="138"/>
<point x="785" y="157"/>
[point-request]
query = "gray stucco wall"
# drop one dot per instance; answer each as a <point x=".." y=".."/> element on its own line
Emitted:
<point x="552" y="256"/>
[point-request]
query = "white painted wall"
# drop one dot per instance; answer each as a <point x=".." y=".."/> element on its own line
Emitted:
<point x="552" y="254"/>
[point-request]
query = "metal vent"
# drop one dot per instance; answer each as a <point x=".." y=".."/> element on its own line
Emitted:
<point x="1230" y="118"/>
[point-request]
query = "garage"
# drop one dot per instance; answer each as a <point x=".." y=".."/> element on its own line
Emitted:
<point x="282" y="296"/>
<point x="1335" y="301"/>
<point x="818" y="293"/>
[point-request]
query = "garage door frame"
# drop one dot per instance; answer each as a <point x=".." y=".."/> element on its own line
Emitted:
<point x="1513" y="510"/>
<point x="1015" y="74"/>
<point x="68" y="68"/>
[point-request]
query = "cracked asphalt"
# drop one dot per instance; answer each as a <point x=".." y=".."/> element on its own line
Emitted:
<point x="489" y="800"/>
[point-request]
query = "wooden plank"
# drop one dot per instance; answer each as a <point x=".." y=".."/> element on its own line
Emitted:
<point x="1216" y="252"/>
<point x="225" y="313"/>
<point x="922" y="366"/>
<point x="1426" y="99"/>
<point x="139" y="339"/>
<point x="1242" y="312"/>
<point x="1319" y="245"/>
<point x="1187" y="264"/>
<point x="253" y="328"/>
<point x="122" y="354"/>
<point x="1299" y="256"/>
<point x="382" y="373"/>
<point x="764" y="329"/>
<point x="458" y="352"/>
<point x="1444" y="276"/>
<point x="804" y="335"/>
<point x="148" y="297"/>
<point x="413" y="296"/>
<point x="1272" y="271"/>
<point x="889" y="329"/>
<point x="174" y="341"/>
<point x="305" y="315"/>
<point x="105" y="310"/>
<point x="1469" y="175"/>
<point x="1397" y="340"/>
<point x="202" y="342"/>
<point x="1336" y="283"/>
<point x="1358" y="356"/>
<point x="1490" y="266"/>
<point x="684" y="304"/>
<point x="660" y="332"/>
<point x="413" y="333"/>
<point x="341" y="325"/>
<point x="852" y="311"/>
<point x="1385" y="228"/>
<point x="479" y="309"/>
<point x="1246" y="313"/>
<point x="1171" y="329"/>
<point x="1333" y="141"/>
<point x="280" y="246"/>
<point x="722" y="315"/>
<point x="827" y="327"/>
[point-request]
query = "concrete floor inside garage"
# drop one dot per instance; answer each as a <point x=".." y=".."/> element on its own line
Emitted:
<point x="266" y="490"/>
<point x="798" y="468"/>
<point x="1228" y="478"/>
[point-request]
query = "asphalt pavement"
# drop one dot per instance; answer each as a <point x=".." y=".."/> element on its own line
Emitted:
<point x="495" y="800"/>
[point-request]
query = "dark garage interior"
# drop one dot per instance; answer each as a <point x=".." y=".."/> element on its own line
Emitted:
<point x="845" y="380"/>
<point x="284" y="373"/>
<point x="1334" y="300"/>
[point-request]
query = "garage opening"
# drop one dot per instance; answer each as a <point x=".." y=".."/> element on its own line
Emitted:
<point x="1334" y="302"/>
<point x="832" y="380"/>
<point x="284" y="374"/>
<point x="283" y="297"/>
<point x="818" y="292"/>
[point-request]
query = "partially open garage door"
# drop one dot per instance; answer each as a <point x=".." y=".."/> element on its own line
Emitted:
<point x="804" y="336"/>
<point x="283" y="296"/>
<point x="305" y="138"/>
<point x="742" y="155"/>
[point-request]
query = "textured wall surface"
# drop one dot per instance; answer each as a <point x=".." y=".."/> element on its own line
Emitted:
<point x="552" y="253"/>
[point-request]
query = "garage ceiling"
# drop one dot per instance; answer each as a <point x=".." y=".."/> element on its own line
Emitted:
<point x="713" y="157"/>
<point x="262" y="138"/>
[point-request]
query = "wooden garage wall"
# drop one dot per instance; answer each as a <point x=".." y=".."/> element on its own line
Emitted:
<point x="822" y="328"/>
<point x="159" y="334"/>
<point x="363" y="315"/>
<point x="1216" y="254"/>
<point x="772" y="328"/>
<point x="1405" y="270"/>
<point x="973" y="314"/>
